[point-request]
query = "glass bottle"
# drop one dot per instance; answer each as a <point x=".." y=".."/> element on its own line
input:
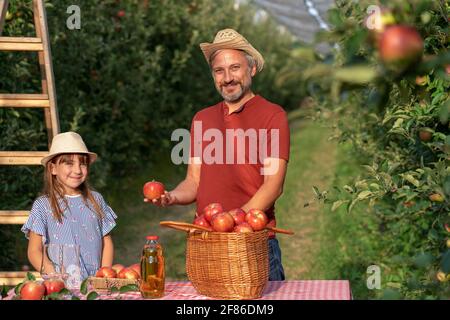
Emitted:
<point x="152" y="269"/>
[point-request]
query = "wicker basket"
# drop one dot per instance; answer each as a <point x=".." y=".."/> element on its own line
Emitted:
<point x="226" y="265"/>
<point x="108" y="283"/>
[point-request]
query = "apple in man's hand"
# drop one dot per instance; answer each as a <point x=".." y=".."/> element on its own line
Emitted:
<point x="153" y="190"/>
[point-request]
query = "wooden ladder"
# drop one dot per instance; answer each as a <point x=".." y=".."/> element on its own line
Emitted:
<point x="45" y="100"/>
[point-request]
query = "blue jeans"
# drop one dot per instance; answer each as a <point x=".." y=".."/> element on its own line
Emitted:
<point x="276" y="271"/>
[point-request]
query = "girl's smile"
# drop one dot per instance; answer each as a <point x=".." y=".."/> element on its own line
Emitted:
<point x="71" y="172"/>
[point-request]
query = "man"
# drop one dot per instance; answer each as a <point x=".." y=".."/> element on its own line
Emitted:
<point x="252" y="128"/>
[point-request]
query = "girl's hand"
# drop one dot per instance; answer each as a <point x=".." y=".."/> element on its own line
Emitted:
<point x="167" y="199"/>
<point x="47" y="268"/>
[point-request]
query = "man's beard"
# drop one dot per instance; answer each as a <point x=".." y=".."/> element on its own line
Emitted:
<point x="237" y="95"/>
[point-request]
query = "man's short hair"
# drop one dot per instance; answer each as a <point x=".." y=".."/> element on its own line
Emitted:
<point x="250" y="60"/>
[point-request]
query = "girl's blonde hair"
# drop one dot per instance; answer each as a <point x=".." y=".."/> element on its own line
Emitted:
<point x="54" y="190"/>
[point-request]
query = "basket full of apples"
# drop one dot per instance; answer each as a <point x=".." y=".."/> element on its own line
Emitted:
<point x="116" y="276"/>
<point x="227" y="252"/>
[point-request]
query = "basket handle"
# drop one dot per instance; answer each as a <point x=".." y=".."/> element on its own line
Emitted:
<point x="183" y="226"/>
<point x="189" y="227"/>
<point x="278" y="230"/>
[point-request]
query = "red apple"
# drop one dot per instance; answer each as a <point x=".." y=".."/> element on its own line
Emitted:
<point x="118" y="267"/>
<point x="425" y="134"/>
<point x="238" y="215"/>
<point x="53" y="285"/>
<point x="257" y="219"/>
<point x="201" y="221"/>
<point x="153" y="190"/>
<point x="106" y="272"/>
<point x="222" y="222"/>
<point x="32" y="290"/>
<point x="212" y="209"/>
<point x="128" y="273"/>
<point x="136" y="267"/>
<point x="121" y="13"/>
<point x="400" y="46"/>
<point x="243" y="227"/>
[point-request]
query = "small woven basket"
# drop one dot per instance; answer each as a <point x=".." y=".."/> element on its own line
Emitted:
<point x="226" y="265"/>
<point x="108" y="283"/>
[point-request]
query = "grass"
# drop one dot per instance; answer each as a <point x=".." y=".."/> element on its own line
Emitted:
<point x="349" y="243"/>
<point x="311" y="164"/>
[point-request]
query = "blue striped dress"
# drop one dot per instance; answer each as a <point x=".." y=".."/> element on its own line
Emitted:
<point x="80" y="228"/>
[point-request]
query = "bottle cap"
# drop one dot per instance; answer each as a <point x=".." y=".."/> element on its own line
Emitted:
<point x="152" y="237"/>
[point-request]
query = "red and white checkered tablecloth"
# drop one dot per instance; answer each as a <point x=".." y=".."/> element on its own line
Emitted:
<point x="275" y="290"/>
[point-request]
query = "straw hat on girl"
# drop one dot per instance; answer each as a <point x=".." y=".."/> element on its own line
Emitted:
<point x="68" y="142"/>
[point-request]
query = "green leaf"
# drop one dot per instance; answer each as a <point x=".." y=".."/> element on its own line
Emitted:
<point x="317" y="71"/>
<point x="349" y="189"/>
<point x="53" y="296"/>
<point x="334" y="16"/>
<point x="65" y="291"/>
<point x="114" y="289"/>
<point x="444" y="112"/>
<point x="433" y="235"/>
<point x="92" y="295"/>
<point x="445" y="263"/>
<point x="391" y="294"/>
<point x="316" y="191"/>
<point x="129" y="287"/>
<point x="31" y="276"/>
<point x="355" y="74"/>
<point x="18" y="288"/>
<point x="364" y="194"/>
<point x="447" y="185"/>
<point x="83" y="287"/>
<point x="412" y="180"/>
<point x="4" y="291"/>
<point x="447" y="140"/>
<point x="337" y="204"/>
<point x="75" y="298"/>
<point x="375" y="186"/>
<point x="351" y="205"/>
<point x="397" y="123"/>
<point x="423" y="260"/>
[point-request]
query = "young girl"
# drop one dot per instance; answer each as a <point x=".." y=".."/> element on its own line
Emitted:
<point x="69" y="214"/>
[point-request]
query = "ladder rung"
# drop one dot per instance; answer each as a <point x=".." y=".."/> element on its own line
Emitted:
<point x="12" y="278"/>
<point x="25" y="100"/>
<point x="13" y="216"/>
<point x="21" y="44"/>
<point x="22" y="157"/>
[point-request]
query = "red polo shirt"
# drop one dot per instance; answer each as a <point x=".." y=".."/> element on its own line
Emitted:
<point x="232" y="148"/>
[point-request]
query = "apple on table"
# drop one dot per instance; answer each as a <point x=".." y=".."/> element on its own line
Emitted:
<point x="32" y="290"/>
